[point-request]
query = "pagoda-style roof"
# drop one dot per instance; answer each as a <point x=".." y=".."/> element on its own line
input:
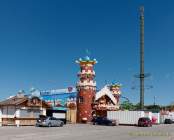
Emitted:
<point x="86" y="60"/>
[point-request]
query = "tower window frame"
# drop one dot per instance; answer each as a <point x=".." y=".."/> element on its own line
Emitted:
<point x="81" y="99"/>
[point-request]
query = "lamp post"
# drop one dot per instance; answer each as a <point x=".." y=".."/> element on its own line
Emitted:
<point x="41" y="98"/>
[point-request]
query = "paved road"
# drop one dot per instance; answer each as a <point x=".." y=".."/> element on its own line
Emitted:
<point x="88" y="132"/>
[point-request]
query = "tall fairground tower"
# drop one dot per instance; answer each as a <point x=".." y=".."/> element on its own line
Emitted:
<point x="86" y="88"/>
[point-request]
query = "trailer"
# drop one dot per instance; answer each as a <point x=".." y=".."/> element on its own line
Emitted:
<point x="126" y="117"/>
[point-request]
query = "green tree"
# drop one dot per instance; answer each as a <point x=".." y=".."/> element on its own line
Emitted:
<point x="153" y="108"/>
<point x="126" y="105"/>
<point x="137" y="106"/>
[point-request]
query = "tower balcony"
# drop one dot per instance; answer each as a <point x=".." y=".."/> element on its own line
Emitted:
<point x="86" y="72"/>
<point x="86" y="83"/>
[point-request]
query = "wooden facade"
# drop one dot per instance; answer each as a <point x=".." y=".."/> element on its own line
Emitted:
<point x="71" y="115"/>
<point x="21" y="110"/>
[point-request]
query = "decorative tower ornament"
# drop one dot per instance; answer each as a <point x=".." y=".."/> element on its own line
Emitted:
<point x="115" y="88"/>
<point x="86" y="88"/>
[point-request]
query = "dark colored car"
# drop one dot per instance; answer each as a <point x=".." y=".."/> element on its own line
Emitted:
<point x="145" y="121"/>
<point x="104" y="121"/>
<point x="168" y="121"/>
<point x="49" y="122"/>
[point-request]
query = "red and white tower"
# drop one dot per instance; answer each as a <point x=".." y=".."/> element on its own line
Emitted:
<point x="86" y="88"/>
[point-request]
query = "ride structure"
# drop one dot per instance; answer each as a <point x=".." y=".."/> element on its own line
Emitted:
<point x="86" y="89"/>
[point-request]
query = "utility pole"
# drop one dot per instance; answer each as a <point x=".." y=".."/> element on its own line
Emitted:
<point x="142" y="57"/>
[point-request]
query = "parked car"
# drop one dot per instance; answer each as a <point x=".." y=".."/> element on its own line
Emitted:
<point x="104" y="121"/>
<point x="168" y="121"/>
<point x="49" y="122"/>
<point x="145" y="121"/>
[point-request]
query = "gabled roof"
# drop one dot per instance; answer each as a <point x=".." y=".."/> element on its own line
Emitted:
<point x="107" y="92"/>
<point x="20" y="99"/>
<point x="16" y="100"/>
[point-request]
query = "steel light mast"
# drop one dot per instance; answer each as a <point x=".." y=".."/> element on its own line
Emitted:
<point x="142" y="75"/>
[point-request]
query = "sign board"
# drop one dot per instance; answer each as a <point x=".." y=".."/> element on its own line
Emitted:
<point x="60" y="101"/>
<point x="59" y="115"/>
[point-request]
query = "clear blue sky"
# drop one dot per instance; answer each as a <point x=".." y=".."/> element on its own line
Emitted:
<point x="41" y="39"/>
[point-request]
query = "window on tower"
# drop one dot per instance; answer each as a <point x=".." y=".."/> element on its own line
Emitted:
<point x="81" y="99"/>
<point x="93" y="99"/>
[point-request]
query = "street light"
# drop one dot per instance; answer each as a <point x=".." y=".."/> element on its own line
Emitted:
<point x="154" y="100"/>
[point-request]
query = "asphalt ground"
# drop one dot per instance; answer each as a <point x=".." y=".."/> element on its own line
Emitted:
<point x="88" y="132"/>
